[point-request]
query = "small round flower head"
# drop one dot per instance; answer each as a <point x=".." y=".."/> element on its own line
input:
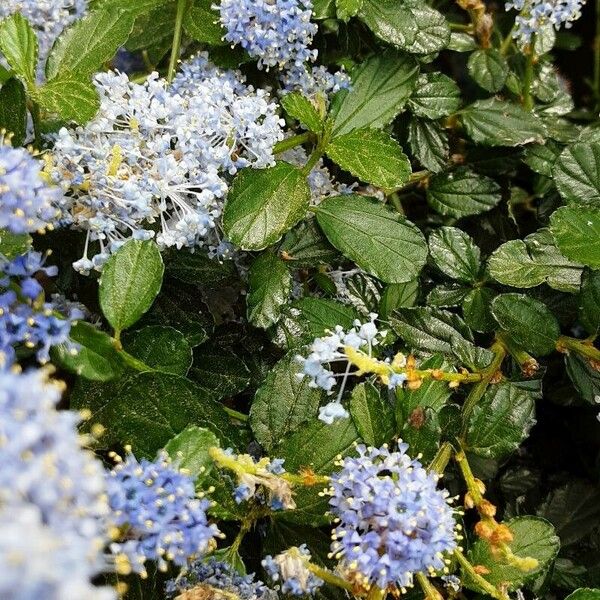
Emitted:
<point x="537" y="14"/>
<point x="393" y="521"/>
<point x="27" y="202"/>
<point x="48" y="18"/>
<point x="155" y="505"/>
<point x="24" y="318"/>
<point x="161" y="158"/>
<point x="276" y="32"/>
<point x="213" y="576"/>
<point x="290" y="568"/>
<point x="48" y="479"/>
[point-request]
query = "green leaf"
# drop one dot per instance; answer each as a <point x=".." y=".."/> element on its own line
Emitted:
<point x="541" y="157"/>
<point x="452" y="294"/>
<point x="201" y="23"/>
<point x="70" y="99"/>
<point x="220" y="373"/>
<point x="283" y="403"/>
<point x="462" y="192"/>
<point x="397" y="295"/>
<point x="347" y="8"/>
<point x="381" y="86"/>
<point x="97" y="357"/>
<point x="477" y="310"/>
<point x="577" y="234"/>
<point x="323" y="9"/>
<point x="429" y="144"/>
<point x="190" y="451"/>
<point x="585" y="378"/>
<point x="82" y="48"/>
<point x="19" y="45"/>
<point x="377" y="239"/>
<point x="494" y="122"/>
<point x="533" y="537"/>
<point x="315" y="446"/>
<point x="148" y="409"/>
<point x="319" y="314"/>
<point x="13" y="244"/>
<point x="199" y="270"/>
<point x="577" y="173"/>
<point x="488" y="68"/>
<point x="422" y="433"/>
<point x="269" y="286"/>
<point x="299" y="107"/>
<point x="373" y="414"/>
<point x="501" y="420"/>
<point x="372" y="156"/>
<point x="306" y="246"/>
<point x="584" y="594"/>
<point x="528" y="321"/>
<point x="434" y="330"/>
<point x="589" y="301"/>
<point x="535" y="260"/>
<point x="455" y="254"/>
<point x="263" y="204"/>
<point x="161" y="348"/>
<point x="131" y="280"/>
<point x="435" y="96"/>
<point x="13" y="110"/>
<point x="433" y="32"/>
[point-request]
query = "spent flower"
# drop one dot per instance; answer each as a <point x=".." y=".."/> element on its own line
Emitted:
<point x="290" y="568"/>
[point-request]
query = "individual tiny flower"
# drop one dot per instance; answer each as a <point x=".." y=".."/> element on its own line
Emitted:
<point x="28" y="203"/>
<point x="259" y="479"/>
<point x="25" y="319"/>
<point x="392" y="520"/>
<point x="49" y="18"/>
<point x="315" y="81"/>
<point x="332" y="412"/>
<point x="276" y="32"/>
<point x="154" y="505"/>
<point x="206" y="578"/>
<point x="53" y="505"/>
<point x="290" y="568"/>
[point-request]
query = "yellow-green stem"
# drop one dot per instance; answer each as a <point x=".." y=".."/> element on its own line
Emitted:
<point x="584" y="348"/>
<point x="469" y="478"/>
<point x="441" y="459"/>
<point x="329" y="577"/>
<point x="528" y="76"/>
<point x="428" y="588"/>
<point x="376" y="593"/>
<point x="176" y="46"/>
<point x="484" y="584"/>
<point x="292" y="142"/>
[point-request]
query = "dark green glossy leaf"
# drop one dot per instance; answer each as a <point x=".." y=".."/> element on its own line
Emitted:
<point x="373" y="414"/>
<point x="435" y="96"/>
<point x="299" y="107"/>
<point x="455" y="254"/>
<point x="577" y="234"/>
<point x="13" y="110"/>
<point x="429" y="144"/>
<point x="201" y="23"/>
<point x="577" y="173"/>
<point x="488" y="68"/>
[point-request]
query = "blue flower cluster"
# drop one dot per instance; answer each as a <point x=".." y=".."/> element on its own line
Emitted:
<point x="27" y="203"/>
<point x="157" y="159"/>
<point x="393" y="521"/>
<point x="537" y="14"/>
<point x="211" y="576"/>
<point x="53" y="506"/>
<point x="24" y="317"/>
<point x="290" y="567"/>
<point x="48" y="18"/>
<point x="155" y="507"/>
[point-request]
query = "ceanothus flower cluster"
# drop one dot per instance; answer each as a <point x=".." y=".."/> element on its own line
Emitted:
<point x="536" y="14"/>
<point x="157" y="159"/>
<point x="213" y="576"/>
<point x="154" y="505"/>
<point x="27" y="202"/>
<point x="53" y="505"/>
<point x="24" y="317"/>
<point x="290" y="567"/>
<point x="49" y="18"/>
<point x="392" y="520"/>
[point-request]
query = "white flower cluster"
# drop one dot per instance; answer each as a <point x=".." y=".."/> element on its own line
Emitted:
<point x="157" y="159"/>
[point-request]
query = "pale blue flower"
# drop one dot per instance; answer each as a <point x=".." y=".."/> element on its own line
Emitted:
<point x="290" y="569"/>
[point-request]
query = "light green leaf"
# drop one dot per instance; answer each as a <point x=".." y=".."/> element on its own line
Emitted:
<point x="373" y="414"/>
<point x="12" y="244"/>
<point x="435" y="96"/>
<point x="433" y="32"/>
<point x="201" y="23"/>
<point x="533" y="537"/>
<point x="577" y="234"/>
<point x="372" y="156"/>
<point x="577" y="173"/>
<point x="19" y="45"/>
<point x="347" y="8"/>
<point x="429" y="144"/>
<point x="161" y="348"/>
<point x="462" y="192"/>
<point x="97" y="357"/>
<point x="528" y="321"/>
<point x="263" y="204"/>
<point x="378" y="240"/>
<point x="381" y="86"/>
<point x="306" y="246"/>
<point x="501" y="420"/>
<point x="13" y="110"/>
<point x="535" y="260"/>
<point x="584" y="594"/>
<point x="189" y="449"/>
<point x="283" y="403"/>
<point x="131" y="280"/>
<point x="455" y="254"/>
<point x="299" y="107"/>
<point x="494" y="122"/>
<point x="70" y="99"/>
<point x="269" y="286"/>
<point x="488" y="68"/>
<point x="397" y="295"/>
<point x="85" y="46"/>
